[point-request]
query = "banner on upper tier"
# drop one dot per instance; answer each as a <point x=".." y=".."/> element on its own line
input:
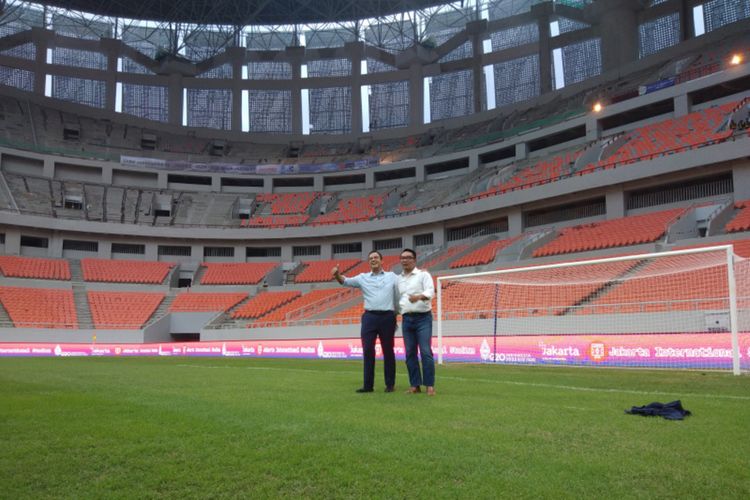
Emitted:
<point x="234" y="168"/>
<point x="709" y="350"/>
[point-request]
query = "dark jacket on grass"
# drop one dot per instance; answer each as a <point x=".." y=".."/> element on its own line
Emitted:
<point x="670" y="411"/>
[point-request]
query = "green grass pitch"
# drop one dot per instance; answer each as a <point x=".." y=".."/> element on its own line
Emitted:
<point x="259" y="428"/>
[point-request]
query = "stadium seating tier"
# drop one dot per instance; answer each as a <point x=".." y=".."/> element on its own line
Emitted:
<point x="125" y="271"/>
<point x="33" y="267"/>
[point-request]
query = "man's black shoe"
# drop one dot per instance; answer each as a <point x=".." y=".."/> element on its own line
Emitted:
<point x="389" y="388"/>
<point x="363" y="389"/>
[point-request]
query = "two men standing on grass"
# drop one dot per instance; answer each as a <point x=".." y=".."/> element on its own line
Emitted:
<point x="385" y="293"/>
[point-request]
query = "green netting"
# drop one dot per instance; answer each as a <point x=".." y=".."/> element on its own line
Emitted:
<point x="503" y="134"/>
<point x="34" y="148"/>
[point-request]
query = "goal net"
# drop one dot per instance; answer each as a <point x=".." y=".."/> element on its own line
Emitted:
<point x="681" y="309"/>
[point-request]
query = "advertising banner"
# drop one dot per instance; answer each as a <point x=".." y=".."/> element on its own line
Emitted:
<point x="703" y="351"/>
<point x="232" y="168"/>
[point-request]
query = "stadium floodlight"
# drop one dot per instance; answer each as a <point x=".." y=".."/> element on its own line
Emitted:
<point x="678" y="309"/>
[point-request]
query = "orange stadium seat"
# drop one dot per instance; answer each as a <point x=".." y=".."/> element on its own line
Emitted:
<point x="263" y="303"/>
<point x="443" y="256"/>
<point x="541" y="172"/>
<point x="320" y="270"/>
<point x="275" y="221"/>
<point x="530" y="293"/>
<point x="741" y="221"/>
<point x="353" y="210"/>
<point x="39" y="307"/>
<point x="741" y="247"/>
<point x="125" y="271"/>
<point x="678" y="134"/>
<point x="205" y="302"/>
<point x="655" y="288"/>
<point x="288" y="203"/>
<point x="483" y="255"/>
<point x="388" y="262"/>
<point x="241" y="273"/>
<point x="123" y="310"/>
<point x="303" y="304"/>
<point x="632" y="230"/>
<point x="351" y="314"/>
<point x="32" y="267"/>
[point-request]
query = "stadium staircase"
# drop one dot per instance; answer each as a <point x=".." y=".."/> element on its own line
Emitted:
<point x="114" y="199"/>
<point x="225" y="320"/>
<point x="5" y="320"/>
<point x="741" y="220"/>
<point x="93" y="206"/>
<point x="83" y="309"/>
<point x="603" y="290"/>
<point x="198" y="275"/>
<point x="76" y="274"/>
<point x="475" y="246"/>
<point x="291" y="274"/>
<point x="6" y="196"/>
<point x="218" y="211"/>
<point x="195" y="210"/>
<point x="162" y="310"/>
<point x="356" y="299"/>
<point x="170" y="278"/>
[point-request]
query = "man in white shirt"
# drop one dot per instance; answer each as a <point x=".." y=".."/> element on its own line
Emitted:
<point x="415" y="291"/>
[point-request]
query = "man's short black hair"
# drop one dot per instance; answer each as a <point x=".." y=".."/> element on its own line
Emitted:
<point x="414" y="254"/>
<point x="375" y="251"/>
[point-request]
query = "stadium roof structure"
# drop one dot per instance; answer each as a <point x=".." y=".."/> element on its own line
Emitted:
<point x="245" y="12"/>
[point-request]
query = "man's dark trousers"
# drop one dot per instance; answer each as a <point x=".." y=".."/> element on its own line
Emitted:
<point x="378" y="324"/>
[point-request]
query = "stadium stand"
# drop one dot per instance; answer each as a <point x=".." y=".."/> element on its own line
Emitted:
<point x="288" y="203"/>
<point x="205" y="302"/>
<point x="632" y="230"/>
<point x="741" y="247"/>
<point x="484" y="254"/>
<point x="541" y="172"/>
<point x="544" y="292"/>
<point x="669" y="136"/>
<point x="300" y="304"/>
<point x="263" y="303"/>
<point x="443" y="256"/>
<point x="741" y="221"/>
<point x="122" y="310"/>
<point x="320" y="270"/>
<point x="389" y="261"/>
<point x="656" y="287"/>
<point x="353" y="209"/>
<point x="33" y="267"/>
<point x="39" y="307"/>
<point x="348" y="315"/>
<point x="697" y="129"/>
<point x="275" y="221"/>
<point x="125" y="271"/>
<point x="243" y="273"/>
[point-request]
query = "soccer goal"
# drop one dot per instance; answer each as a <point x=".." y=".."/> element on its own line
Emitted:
<point x="681" y="309"/>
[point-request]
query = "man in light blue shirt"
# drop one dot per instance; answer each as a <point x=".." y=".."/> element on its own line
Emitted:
<point x="379" y="319"/>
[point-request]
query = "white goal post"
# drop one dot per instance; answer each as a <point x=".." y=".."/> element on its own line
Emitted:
<point x="680" y="309"/>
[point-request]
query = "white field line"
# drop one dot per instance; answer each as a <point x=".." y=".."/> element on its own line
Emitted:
<point x="488" y="381"/>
